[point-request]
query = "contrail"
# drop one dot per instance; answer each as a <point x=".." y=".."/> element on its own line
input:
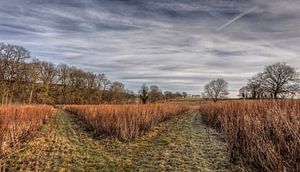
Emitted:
<point x="240" y="16"/>
<point x="236" y="18"/>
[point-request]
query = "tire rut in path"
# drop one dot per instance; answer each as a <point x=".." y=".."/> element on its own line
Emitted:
<point x="181" y="144"/>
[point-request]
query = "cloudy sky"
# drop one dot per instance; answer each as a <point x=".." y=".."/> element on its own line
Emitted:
<point x="177" y="44"/>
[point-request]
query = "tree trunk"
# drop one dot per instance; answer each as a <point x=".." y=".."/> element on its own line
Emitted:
<point x="11" y="98"/>
<point x="30" y="96"/>
<point x="276" y="95"/>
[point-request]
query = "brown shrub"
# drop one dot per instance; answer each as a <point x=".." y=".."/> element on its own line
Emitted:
<point x="19" y="121"/>
<point x="263" y="135"/>
<point x="125" y="121"/>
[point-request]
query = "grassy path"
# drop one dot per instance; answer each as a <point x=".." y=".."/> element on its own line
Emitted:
<point x="181" y="144"/>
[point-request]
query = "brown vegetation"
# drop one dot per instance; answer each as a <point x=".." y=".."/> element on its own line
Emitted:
<point x="17" y="122"/>
<point x="264" y="135"/>
<point x="125" y="121"/>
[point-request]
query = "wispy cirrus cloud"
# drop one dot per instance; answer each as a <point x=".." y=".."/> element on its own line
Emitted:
<point x="178" y="45"/>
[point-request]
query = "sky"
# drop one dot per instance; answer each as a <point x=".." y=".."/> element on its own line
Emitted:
<point x="179" y="45"/>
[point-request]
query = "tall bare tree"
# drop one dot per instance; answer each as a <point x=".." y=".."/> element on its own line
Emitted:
<point x="254" y="86"/>
<point x="64" y="80"/>
<point x="48" y="74"/>
<point x="117" y="91"/>
<point x="102" y="81"/>
<point x="11" y="57"/>
<point x="34" y="74"/>
<point x="280" y="78"/>
<point x="155" y="94"/>
<point x="216" y="89"/>
<point x="244" y="92"/>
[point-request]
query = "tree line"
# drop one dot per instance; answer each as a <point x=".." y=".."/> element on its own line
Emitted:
<point x="154" y="94"/>
<point x="278" y="80"/>
<point x="40" y="82"/>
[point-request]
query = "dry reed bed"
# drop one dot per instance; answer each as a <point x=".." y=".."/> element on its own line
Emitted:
<point x="125" y="121"/>
<point x="263" y="135"/>
<point x="19" y="121"/>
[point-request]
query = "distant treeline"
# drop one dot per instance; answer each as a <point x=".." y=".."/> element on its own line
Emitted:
<point x="278" y="80"/>
<point x="45" y="83"/>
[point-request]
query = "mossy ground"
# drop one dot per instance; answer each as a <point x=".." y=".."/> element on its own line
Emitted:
<point x="180" y="144"/>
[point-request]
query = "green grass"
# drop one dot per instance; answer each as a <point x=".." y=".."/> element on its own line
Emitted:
<point x="180" y="144"/>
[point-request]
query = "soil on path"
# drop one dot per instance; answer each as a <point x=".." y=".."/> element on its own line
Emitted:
<point x="180" y="144"/>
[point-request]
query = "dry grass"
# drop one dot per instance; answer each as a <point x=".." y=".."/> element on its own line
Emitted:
<point x="264" y="135"/>
<point x="179" y="144"/>
<point x="17" y="122"/>
<point x="125" y="121"/>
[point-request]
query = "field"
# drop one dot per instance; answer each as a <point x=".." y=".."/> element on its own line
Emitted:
<point x="244" y="136"/>
<point x="263" y="135"/>
<point x="166" y="137"/>
<point x="125" y="121"/>
<point x="18" y="122"/>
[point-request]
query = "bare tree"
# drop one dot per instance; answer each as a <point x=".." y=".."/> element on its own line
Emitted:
<point x="103" y="84"/>
<point x="34" y="74"/>
<point x="11" y="57"/>
<point x="155" y="94"/>
<point x="216" y="89"/>
<point x="184" y="95"/>
<point x="144" y="93"/>
<point x="48" y="74"/>
<point x="279" y="79"/>
<point x="117" y="91"/>
<point x="64" y="80"/>
<point x="91" y="80"/>
<point x="102" y="81"/>
<point x="78" y="84"/>
<point x="244" y="92"/>
<point x="168" y="95"/>
<point x="117" y="86"/>
<point x="254" y="86"/>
